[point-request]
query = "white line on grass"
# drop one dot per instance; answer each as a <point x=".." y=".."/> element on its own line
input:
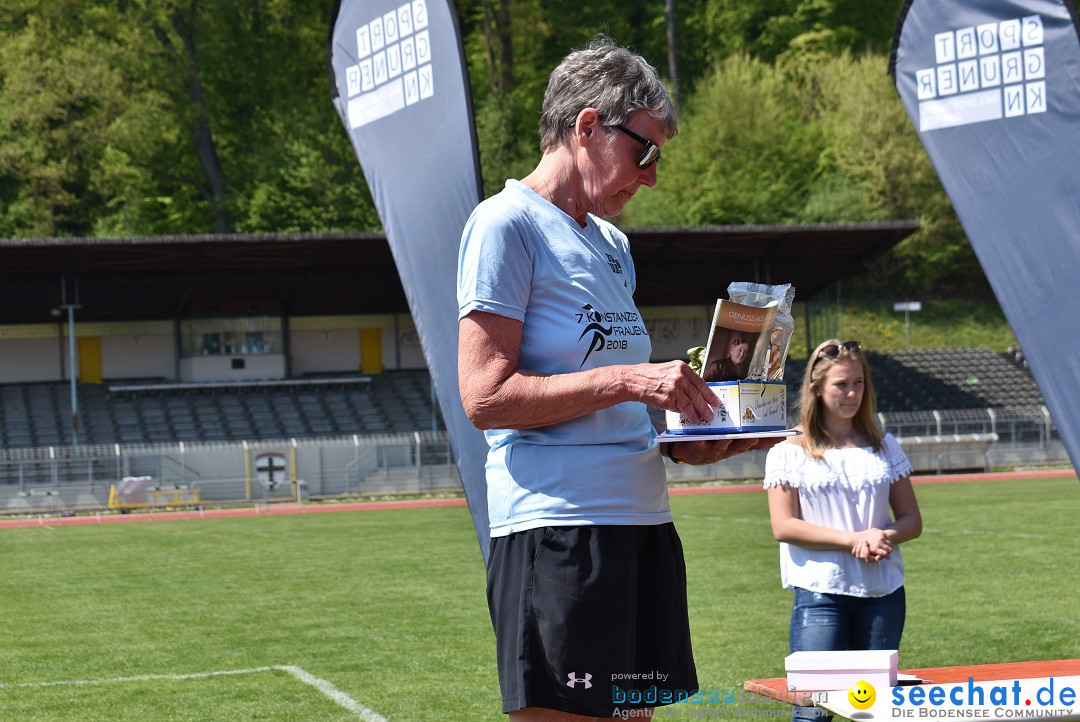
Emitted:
<point x="335" y="694"/>
<point x="326" y="688"/>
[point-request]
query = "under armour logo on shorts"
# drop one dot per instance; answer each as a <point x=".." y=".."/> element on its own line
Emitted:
<point x="574" y="679"/>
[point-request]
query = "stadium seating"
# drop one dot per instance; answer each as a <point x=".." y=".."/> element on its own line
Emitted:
<point x="147" y="412"/>
<point x="944" y="379"/>
<point x="38" y="415"/>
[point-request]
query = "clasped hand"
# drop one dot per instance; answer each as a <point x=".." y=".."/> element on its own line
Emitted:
<point x="872" y="546"/>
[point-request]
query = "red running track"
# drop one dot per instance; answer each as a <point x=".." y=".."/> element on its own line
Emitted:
<point x="285" y="509"/>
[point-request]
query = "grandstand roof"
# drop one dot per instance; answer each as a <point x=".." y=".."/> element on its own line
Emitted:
<point x="163" y="277"/>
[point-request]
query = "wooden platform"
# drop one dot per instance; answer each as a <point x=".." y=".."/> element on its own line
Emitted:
<point x="776" y="687"/>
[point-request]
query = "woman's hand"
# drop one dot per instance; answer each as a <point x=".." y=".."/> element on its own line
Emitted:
<point x="672" y="386"/>
<point x="708" y="452"/>
<point x="871" y="545"/>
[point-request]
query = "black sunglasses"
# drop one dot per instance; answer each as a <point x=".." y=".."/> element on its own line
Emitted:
<point x="651" y="154"/>
<point x="833" y="350"/>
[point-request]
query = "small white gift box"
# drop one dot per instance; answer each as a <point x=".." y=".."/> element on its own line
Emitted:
<point x="744" y="406"/>
<point x="840" y="670"/>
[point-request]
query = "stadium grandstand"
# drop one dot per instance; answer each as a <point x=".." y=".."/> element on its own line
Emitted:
<point x="911" y="386"/>
<point x="231" y="364"/>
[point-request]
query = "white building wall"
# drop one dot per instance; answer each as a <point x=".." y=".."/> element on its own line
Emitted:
<point x="406" y="352"/>
<point x="319" y="345"/>
<point x="325" y="351"/>
<point x="674" y="329"/>
<point x="219" y="368"/>
<point x="29" y="360"/>
<point x="138" y="357"/>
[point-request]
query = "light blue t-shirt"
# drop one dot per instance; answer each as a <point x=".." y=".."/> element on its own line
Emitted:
<point x="572" y="288"/>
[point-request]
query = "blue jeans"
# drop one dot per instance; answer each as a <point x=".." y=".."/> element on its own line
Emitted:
<point x="822" y="622"/>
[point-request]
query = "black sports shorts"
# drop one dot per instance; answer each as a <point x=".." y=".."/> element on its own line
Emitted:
<point x="591" y="619"/>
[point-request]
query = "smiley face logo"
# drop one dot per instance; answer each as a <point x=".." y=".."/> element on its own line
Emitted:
<point x="861" y="695"/>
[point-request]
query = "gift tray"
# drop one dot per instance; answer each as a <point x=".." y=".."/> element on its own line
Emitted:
<point x="718" y="435"/>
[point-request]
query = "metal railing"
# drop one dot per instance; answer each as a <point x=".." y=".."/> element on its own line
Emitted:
<point x="1018" y="425"/>
<point x="72" y="478"/>
<point x="81" y="477"/>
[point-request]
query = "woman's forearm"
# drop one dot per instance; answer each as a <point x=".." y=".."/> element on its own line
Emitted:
<point x="498" y="394"/>
<point x="528" y="399"/>
<point x="793" y="530"/>
<point x="904" y="529"/>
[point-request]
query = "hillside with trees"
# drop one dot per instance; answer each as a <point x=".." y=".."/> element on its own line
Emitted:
<point x="179" y="117"/>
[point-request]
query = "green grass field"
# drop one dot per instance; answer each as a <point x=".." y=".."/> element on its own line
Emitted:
<point x="362" y="615"/>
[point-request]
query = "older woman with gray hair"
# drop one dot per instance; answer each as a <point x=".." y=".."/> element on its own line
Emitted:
<point x="586" y="579"/>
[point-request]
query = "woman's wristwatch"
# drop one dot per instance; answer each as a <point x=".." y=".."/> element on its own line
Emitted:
<point x="671" y="454"/>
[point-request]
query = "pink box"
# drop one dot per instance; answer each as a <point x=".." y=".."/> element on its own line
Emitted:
<point x="840" y="670"/>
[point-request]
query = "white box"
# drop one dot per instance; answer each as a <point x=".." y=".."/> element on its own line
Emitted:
<point x="744" y="406"/>
<point x="762" y="405"/>
<point x="840" y="670"/>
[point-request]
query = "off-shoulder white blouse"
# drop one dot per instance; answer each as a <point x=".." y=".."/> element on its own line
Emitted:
<point x="847" y="489"/>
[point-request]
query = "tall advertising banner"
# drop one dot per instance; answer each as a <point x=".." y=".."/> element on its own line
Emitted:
<point x="398" y="80"/>
<point x="993" y="88"/>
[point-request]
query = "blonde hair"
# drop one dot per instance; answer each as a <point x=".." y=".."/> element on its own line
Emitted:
<point x="816" y="439"/>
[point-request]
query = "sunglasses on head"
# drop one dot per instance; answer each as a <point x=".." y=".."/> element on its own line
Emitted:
<point x="833" y="350"/>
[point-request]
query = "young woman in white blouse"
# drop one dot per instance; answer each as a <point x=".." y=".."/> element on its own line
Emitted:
<point x="830" y="495"/>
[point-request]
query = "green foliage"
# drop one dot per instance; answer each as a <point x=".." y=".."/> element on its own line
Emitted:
<point x="743" y="154"/>
<point x="697" y="358"/>
<point x="812" y="138"/>
<point x="942" y="323"/>
<point x="507" y="150"/>
<point x="874" y="154"/>
<point x="788" y="116"/>
<point x="768" y="29"/>
<point x="61" y="98"/>
<point x="315" y="185"/>
<point x="98" y="120"/>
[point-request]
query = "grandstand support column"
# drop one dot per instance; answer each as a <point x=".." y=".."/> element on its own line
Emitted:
<point x="73" y="375"/>
<point x="247" y="471"/>
<point x="178" y="344"/>
<point x="183" y="457"/>
<point x="1047" y="421"/>
<point x="397" y="343"/>
<point x="73" y="366"/>
<point x="286" y="339"/>
<point x="293" y="463"/>
<point x="937" y="419"/>
<point x="355" y="463"/>
<point x="434" y="401"/>
<point x="416" y="438"/>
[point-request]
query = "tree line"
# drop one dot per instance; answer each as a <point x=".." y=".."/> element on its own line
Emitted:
<point x="150" y="117"/>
